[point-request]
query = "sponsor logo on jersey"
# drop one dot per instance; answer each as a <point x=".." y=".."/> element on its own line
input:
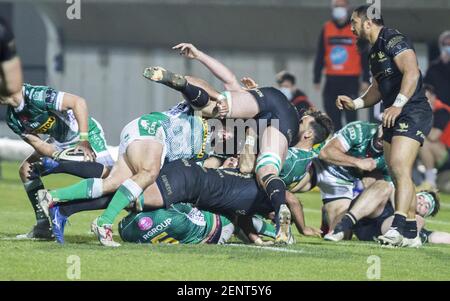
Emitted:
<point x="403" y="127"/>
<point x="166" y="183"/>
<point x="46" y="126"/>
<point x="158" y="228"/>
<point x="145" y="223"/>
<point x="197" y="217"/>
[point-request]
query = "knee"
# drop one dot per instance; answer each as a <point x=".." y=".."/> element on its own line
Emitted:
<point x="384" y="189"/>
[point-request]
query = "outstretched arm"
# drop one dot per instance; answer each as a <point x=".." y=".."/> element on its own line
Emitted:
<point x="298" y="216"/>
<point x="219" y="70"/>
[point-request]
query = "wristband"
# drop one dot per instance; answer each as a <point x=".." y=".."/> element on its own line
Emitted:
<point x="400" y="101"/>
<point x="250" y="141"/>
<point x="84" y="136"/>
<point x="359" y="103"/>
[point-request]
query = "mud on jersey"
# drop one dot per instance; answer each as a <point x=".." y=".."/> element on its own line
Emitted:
<point x="181" y="223"/>
<point x="40" y="113"/>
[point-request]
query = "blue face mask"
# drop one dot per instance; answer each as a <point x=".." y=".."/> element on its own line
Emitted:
<point x="339" y="13"/>
<point x="446" y="49"/>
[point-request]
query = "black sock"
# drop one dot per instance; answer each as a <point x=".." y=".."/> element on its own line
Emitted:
<point x="410" y="230"/>
<point x="83" y="170"/>
<point x="276" y="190"/>
<point x="399" y="223"/>
<point x="31" y="188"/>
<point x="347" y="223"/>
<point x="69" y="208"/>
<point x="196" y="96"/>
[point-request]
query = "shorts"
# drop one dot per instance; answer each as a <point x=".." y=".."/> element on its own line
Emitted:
<point x="273" y="105"/>
<point x="97" y="140"/>
<point x="331" y="186"/>
<point x="146" y="127"/>
<point x="367" y="229"/>
<point x="415" y="122"/>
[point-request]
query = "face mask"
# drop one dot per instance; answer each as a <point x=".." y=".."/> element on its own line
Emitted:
<point x="339" y="13"/>
<point x="446" y="50"/>
<point x="287" y="92"/>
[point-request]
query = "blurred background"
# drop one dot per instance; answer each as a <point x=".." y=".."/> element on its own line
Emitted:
<point x="101" y="56"/>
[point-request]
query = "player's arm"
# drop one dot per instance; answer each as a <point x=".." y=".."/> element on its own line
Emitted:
<point x="80" y="110"/>
<point x="247" y="160"/>
<point x="40" y="146"/>
<point x="296" y="208"/>
<point x="371" y="97"/>
<point x="439" y="238"/>
<point x="336" y="153"/>
<point x="11" y="75"/>
<point x="219" y="70"/>
<point x="246" y="224"/>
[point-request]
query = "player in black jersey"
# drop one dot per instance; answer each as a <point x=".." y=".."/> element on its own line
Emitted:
<point x="10" y="66"/>
<point x="407" y="119"/>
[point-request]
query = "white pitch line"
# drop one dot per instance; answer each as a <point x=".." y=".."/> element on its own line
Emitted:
<point x="275" y="249"/>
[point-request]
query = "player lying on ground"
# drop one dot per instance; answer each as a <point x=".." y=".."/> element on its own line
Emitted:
<point x="221" y="191"/>
<point x="407" y="119"/>
<point x="372" y="216"/>
<point x="266" y="103"/>
<point x="354" y="153"/>
<point x="40" y="110"/>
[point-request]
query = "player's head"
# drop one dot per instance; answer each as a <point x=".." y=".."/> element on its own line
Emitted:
<point x="315" y="126"/>
<point x="377" y="140"/>
<point x="428" y="203"/>
<point x="365" y="19"/>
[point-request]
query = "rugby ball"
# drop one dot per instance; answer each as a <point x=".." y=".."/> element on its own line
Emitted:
<point x="71" y="155"/>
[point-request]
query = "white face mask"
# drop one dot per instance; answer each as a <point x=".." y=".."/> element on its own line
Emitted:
<point x="287" y="92"/>
<point x="446" y="50"/>
<point x="339" y="13"/>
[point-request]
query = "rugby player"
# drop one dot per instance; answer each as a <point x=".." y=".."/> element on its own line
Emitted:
<point x="354" y="153"/>
<point x="407" y="118"/>
<point x="223" y="191"/>
<point x="41" y="110"/>
<point x="371" y="223"/>
<point x="265" y="103"/>
<point x="11" y="77"/>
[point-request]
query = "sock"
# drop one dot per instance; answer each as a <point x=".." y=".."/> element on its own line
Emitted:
<point x="70" y="208"/>
<point x="127" y="193"/>
<point x="80" y="169"/>
<point x="410" y="230"/>
<point x="430" y="176"/>
<point x="347" y="223"/>
<point x="31" y="188"/>
<point x="399" y="222"/>
<point x="85" y="189"/>
<point x="276" y="190"/>
<point x="196" y="96"/>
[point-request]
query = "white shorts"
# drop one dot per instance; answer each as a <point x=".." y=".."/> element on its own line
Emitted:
<point x="331" y="186"/>
<point x="139" y="130"/>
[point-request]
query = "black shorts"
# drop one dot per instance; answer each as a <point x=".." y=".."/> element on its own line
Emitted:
<point x="415" y="122"/>
<point x="220" y="191"/>
<point x="367" y="229"/>
<point x="274" y="105"/>
<point x="7" y="45"/>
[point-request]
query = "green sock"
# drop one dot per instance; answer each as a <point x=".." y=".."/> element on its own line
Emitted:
<point x="31" y="188"/>
<point x="120" y="201"/>
<point x="85" y="189"/>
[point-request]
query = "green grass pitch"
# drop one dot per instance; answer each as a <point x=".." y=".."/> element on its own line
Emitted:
<point x="308" y="259"/>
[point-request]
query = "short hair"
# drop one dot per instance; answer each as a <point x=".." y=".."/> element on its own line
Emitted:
<point x="444" y="36"/>
<point x="362" y="12"/>
<point x="437" y="201"/>
<point x="322" y="126"/>
<point x="285" y="76"/>
<point x="429" y="88"/>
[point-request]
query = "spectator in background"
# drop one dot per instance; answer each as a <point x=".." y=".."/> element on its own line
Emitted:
<point x="10" y="66"/>
<point x="438" y="74"/>
<point x="286" y="84"/>
<point x="436" y="147"/>
<point x="344" y="65"/>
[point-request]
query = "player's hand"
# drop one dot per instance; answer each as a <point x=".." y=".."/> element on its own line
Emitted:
<point x="85" y="147"/>
<point x="260" y="242"/>
<point x="345" y="102"/>
<point x="390" y="115"/>
<point x="249" y="83"/>
<point x="187" y="50"/>
<point x="311" y="231"/>
<point x="222" y="108"/>
<point x="367" y="164"/>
